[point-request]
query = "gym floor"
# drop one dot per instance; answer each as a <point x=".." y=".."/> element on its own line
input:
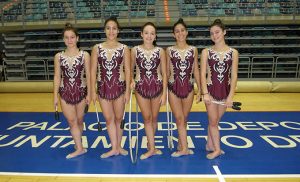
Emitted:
<point x="261" y="143"/>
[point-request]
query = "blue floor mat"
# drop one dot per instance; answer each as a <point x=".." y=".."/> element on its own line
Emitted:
<point x="254" y="142"/>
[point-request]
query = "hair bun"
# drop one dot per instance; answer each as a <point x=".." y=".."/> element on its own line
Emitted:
<point x="218" y="21"/>
<point x="180" y="20"/>
<point x="68" y="25"/>
<point x="113" y="18"/>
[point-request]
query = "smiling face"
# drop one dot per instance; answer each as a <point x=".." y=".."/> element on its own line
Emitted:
<point x="148" y="34"/>
<point x="70" y="38"/>
<point x="111" y="30"/>
<point x="217" y="34"/>
<point x="180" y="33"/>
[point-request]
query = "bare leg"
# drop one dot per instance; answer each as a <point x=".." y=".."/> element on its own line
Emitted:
<point x="155" y="107"/>
<point x="209" y="145"/>
<point x="70" y="112"/>
<point x="108" y="113"/>
<point x="177" y="108"/>
<point x="119" y="108"/>
<point x="145" y="106"/>
<point x="187" y="106"/>
<point x="215" y="113"/>
<point x="80" y="115"/>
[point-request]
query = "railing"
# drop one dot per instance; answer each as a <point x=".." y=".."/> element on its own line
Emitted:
<point x="250" y="67"/>
<point x="29" y="55"/>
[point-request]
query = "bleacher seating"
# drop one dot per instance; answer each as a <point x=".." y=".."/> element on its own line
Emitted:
<point x="14" y="51"/>
<point x="266" y="51"/>
<point x="12" y="13"/>
<point x="35" y="10"/>
<point x="57" y="10"/>
<point x="237" y="8"/>
<point x="32" y="10"/>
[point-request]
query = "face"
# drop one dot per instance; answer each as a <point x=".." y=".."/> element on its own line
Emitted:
<point x="111" y="30"/>
<point x="70" y="38"/>
<point x="148" y="34"/>
<point x="217" y="34"/>
<point x="180" y="33"/>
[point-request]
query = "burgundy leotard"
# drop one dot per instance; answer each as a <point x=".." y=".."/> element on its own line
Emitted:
<point x="148" y="75"/>
<point x="181" y="67"/>
<point x="218" y="74"/>
<point x="73" y="86"/>
<point x="111" y="77"/>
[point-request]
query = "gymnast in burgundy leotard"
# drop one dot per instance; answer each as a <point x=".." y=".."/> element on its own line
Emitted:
<point x="72" y="84"/>
<point x="219" y="67"/>
<point x="183" y="69"/>
<point x="110" y="83"/>
<point x="150" y="83"/>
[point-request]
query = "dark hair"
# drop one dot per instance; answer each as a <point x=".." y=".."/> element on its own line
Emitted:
<point x="179" y="21"/>
<point x="218" y="23"/>
<point x="114" y="19"/>
<point x="150" y="24"/>
<point x="69" y="27"/>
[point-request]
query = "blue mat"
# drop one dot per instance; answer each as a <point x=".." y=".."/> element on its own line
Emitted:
<point x="254" y="142"/>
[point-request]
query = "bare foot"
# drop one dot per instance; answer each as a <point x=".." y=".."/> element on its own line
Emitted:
<point x="209" y="149"/>
<point x="158" y="152"/>
<point x="182" y="153"/>
<point x="147" y="154"/>
<point x="123" y="152"/>
<point x="178" y="147"/>
<point x="76" y="153"/>
<point x="214" y="154"/>
<point x="109" y="154"/>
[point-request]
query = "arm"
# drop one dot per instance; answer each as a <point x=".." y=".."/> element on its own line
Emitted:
<point x="197" y="75"/>
<point x="87" y="66"/>
<point x="234" y="73"/>
<point x="56" y="80"/>
<point x="164" y="76"/>
<point x="203" y="65"/>
<point x="126" y="59"/>
<point x="93" y="73"/>
<point x="132" y="61"/>
<point x="168" y="60"/>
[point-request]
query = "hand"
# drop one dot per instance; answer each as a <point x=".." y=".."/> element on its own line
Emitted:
<point x="132" y="85"/>
<point x="163" y="100"/>
<point x="94" y="97"/>
<point x="55" y="102"/>
<point x="206" y="99"/>
<point x="88" y="99"/>
<point x="198" y="97"/>
<point x="228" y="102"/>
<point x="126" y="97"/>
